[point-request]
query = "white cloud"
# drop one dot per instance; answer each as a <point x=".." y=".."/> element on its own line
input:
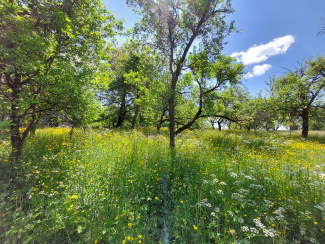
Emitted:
<point x="258" y="70"/>
<point x="261" y="53"/>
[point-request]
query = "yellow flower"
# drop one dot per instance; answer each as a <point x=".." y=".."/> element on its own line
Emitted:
<point x="74" y="197"/>
<point x="181" y="201"/>
<point x="140" y="236"/>
<point x="130" y="225"/>
<point x="195" y="227"/>
<point x="316" y="223"/>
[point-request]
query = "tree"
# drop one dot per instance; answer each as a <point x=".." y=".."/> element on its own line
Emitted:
<point x="225" y="106"/>
<point x="47" y="47"/>
<point x="172" y="27"/>
<point x="298" y="93"/>
<point x="209" y="77"/>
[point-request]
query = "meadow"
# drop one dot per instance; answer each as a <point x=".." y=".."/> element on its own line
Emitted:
<point x="114" y="186"/>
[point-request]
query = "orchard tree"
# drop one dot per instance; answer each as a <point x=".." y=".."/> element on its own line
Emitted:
<point x="301" y="92"/>
<point x="208" y="77"/>
<point x="39" y="40"/>
<point x="224" y="106"/>
<point x="174" y="26"/>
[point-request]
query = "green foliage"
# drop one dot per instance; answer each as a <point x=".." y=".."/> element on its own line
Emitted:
<point x="300" y="93"/>
<point x="50" y="52"/>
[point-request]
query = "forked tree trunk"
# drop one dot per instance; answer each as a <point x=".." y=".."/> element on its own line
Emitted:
<point x="305" y="126"/>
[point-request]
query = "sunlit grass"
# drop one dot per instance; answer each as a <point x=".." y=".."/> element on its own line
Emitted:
<point x="107" y="186"/>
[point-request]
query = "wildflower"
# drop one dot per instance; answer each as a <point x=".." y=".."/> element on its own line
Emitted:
<point x="213" y="214"/>
<point x="181" y="201"/>
<point x="195" y="227"/>
<point x="233" y="232"/>
<point x="140" y="236"/>
<point x="245" y="229"/>
<point x="74" y="197"/>
<point x="279" y="211"/>
<point x="316" y="223"/>
<point x="240" y="220"/>
<point x="130" y="225"/>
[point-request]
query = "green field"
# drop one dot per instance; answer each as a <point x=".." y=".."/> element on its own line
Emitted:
<point x="114" y="186"/>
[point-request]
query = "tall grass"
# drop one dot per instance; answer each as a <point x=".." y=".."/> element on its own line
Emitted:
<point x="107" y="186"/>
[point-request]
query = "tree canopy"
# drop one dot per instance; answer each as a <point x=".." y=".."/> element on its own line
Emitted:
<point x="49" y="49"/>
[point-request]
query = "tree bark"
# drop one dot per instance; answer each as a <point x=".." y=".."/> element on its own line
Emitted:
<point x="161" y="121"/>
<point x="135" y="117"/>
<point x="172" y="120"/>
<point x="305" y="120"/>
<point x="219" y="125"/>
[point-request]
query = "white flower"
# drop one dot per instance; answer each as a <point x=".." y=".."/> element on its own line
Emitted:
<point x="253" y="230"/>
<point x="220" y="192"/>
<point x="213" y="214"/>
<point x="279" y="211"/>
<point x="223" y="183"/>
<point x="234" y="175"/>
<point x="240" y="220"/>
<point x="245" y="228"/>
<point x="215" y="181"/>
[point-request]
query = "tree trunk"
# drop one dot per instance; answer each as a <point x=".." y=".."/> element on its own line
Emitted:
<point x="172" y="120"/>
<point x="212" y="124"/>
<point x="17" y="148"/>
<point x="219" y="125"/>
<point x="71" y="132"/>
<point x="305" y="127"/>
<point x="135" y="117"/>
<point x="121" y="112"/>
<point x="33" y="130"/>
<point x="161" y="121"/>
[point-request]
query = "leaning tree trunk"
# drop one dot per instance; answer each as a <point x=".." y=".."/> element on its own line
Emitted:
<point x="305" y="127"/>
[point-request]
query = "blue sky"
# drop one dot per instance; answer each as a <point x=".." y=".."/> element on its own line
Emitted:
<point x="275" y="34"/>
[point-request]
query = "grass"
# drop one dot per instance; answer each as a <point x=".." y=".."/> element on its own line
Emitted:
<point x="107" y="186"/>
